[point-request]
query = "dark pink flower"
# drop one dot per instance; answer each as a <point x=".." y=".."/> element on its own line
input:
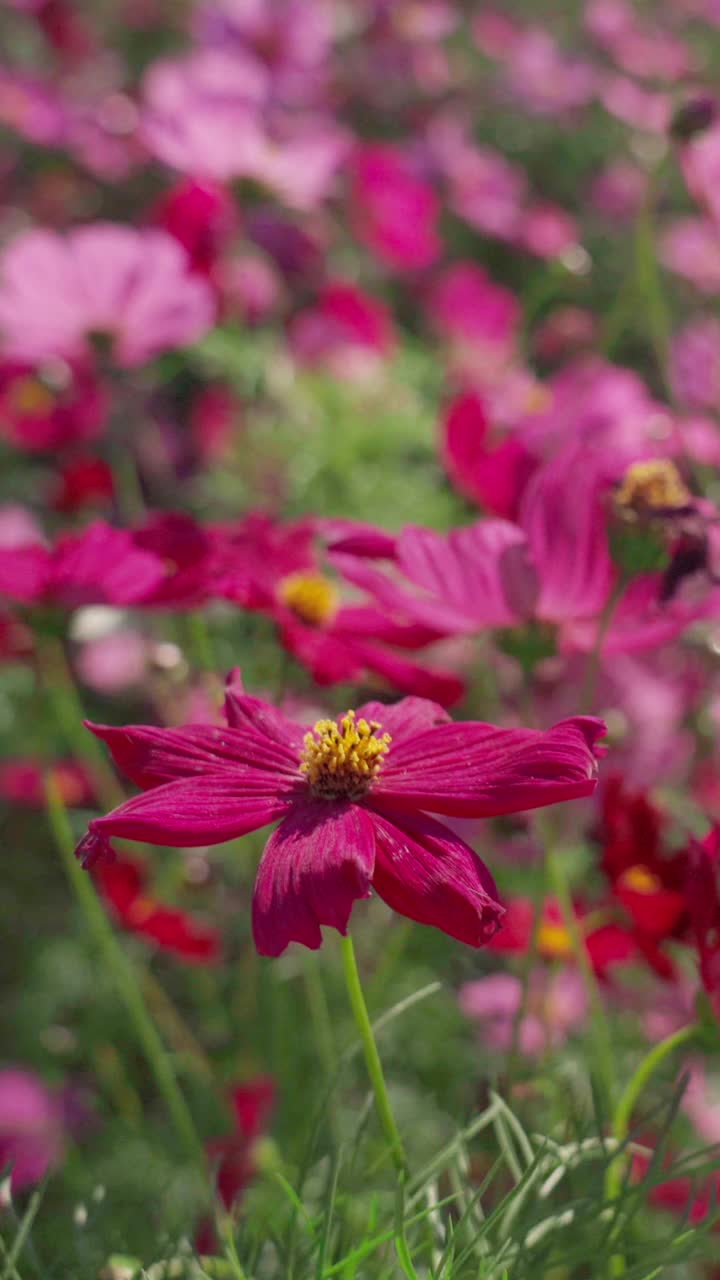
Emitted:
<point x="202" y="216"/>
<point x="134" y="287"/>
<point x="278" y="570"/>
<point x="394" y="211"/>
<point x="467" y="306"/>
<point x="492" y="473"/>
<point x="353" y="798"/>
<point x="46" y="409"/>
<point x="346" y="330"/>
<point x="101" y="565"/>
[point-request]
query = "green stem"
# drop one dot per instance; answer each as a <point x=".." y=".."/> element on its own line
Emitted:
<point x="624" y="1111"/>
<point x="57" y="677"/>
<point x="598" y="1024"/>
<point x="114" y="957"/>
<point x="372" y="1057"/>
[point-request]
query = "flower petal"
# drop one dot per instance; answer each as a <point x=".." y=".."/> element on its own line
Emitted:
<point x="317" y="863"/>
<point x="427" y="873"/>
<point x="189" y="812"/>
<point x="476" y="770"/>
<point x="406" y="718"/>
<point x="152" y="756"/>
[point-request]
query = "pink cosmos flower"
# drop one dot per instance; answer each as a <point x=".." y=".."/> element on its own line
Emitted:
<point x="353" y="798"/>
<point x="347" y="330"/>
<point x="44" y="409"/>
<point x="32" y="1126"/>
<point x="395" y="212"/>
<point x="135" y="287"/>
<point x="101" y="565"/>
<point x="538" y="75"/>
<point x="202" y="216"/>
<point x="278" y="570"/>
<point x="691" y="247"/>
<point x="492" y="473"/>
<point x="552" y="565"/>
<point x="466" y="305"/>
<point x="695" y="363"/>
<point x="556" y="1006"/>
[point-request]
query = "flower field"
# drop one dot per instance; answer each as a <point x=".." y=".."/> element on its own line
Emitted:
<point x="359" y="640"/>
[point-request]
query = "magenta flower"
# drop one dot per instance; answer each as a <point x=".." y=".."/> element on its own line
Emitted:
<point x="395" y="211"/>
<point x="353" y="797"/>
<point x="101" y="565"/>
<point x="134" y="287"/>
<point x="33" y="1126"/>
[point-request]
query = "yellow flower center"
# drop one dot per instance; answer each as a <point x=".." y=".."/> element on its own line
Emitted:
<point x="341" y="760"/>
<point x="28" y="395"/>
<point x="652" y="486"/>
<point x="554" y="941"/>
<point x="311" y="596"/>
<point x="640" y="880"/>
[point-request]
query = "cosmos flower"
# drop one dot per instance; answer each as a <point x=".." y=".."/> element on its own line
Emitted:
<point x="395" y="211"/>
<point x="555" y="1006"/>
<point x="132" y="287"/>
<point x="123" y="885"/>
<point x="101" y="565"/>
<point x="33" y="1126"/>
<point x="353" y="796"/>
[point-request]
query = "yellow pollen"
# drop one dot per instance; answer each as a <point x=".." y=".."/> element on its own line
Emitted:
<point x="640" y="880"/>
<point x="652" y="486"/>
<point x="554" y="941"/>
<point x="28" y="395"/>
<point x="311" y="596"/>
<point x="341" y="760"/>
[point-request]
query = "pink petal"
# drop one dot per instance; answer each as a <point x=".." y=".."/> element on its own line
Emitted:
<point x="406" y="718"/>
<point x="191" y="812"/>
<point x="152" y="756"/>
<point x="317" y="863"/>
<point x="24" y="573"/>
<point x="476" y="770"/>
<point x="410" y="677"/>
<point x="460" y="572"/>
<point x="425" y="872"/>
<point x="565" y="526"/>
<point x="261" y="722"/>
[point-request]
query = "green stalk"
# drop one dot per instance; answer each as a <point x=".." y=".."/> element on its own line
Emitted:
<point x="624" y="1111"/>
<point x="117" y="963"/>
<point x="372" y="1057"/>
<point x="600" y="1030"/>
<point x="62" y="694"/>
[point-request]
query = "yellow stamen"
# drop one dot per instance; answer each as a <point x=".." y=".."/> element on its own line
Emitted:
<point x="554" y="941"/>
<point x="640" y="880"/>
<point x="28" y="395"/>
<point x="341" y="760"/>
<point x="311" y="596"/>
<point x="652" y="487"/>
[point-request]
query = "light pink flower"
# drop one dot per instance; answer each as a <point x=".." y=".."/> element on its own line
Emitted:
<point x="556" y="1007"/>
<point x="32" y="1126"/>
<point x="691" y="247"/>
<point x="134" y="287"/>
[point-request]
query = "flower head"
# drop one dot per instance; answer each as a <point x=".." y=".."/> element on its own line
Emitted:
<point x="132" y="286"/>
<point x="353" y="797"/>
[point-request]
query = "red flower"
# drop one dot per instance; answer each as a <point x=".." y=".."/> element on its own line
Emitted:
<point x="703" y="901"/>
<point x="353" y="797"/>
<point x="123" y="885"/>
<point x="648" y="883"/>
<point x="22" y="782"/>
<point x="234" y="1156"/>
